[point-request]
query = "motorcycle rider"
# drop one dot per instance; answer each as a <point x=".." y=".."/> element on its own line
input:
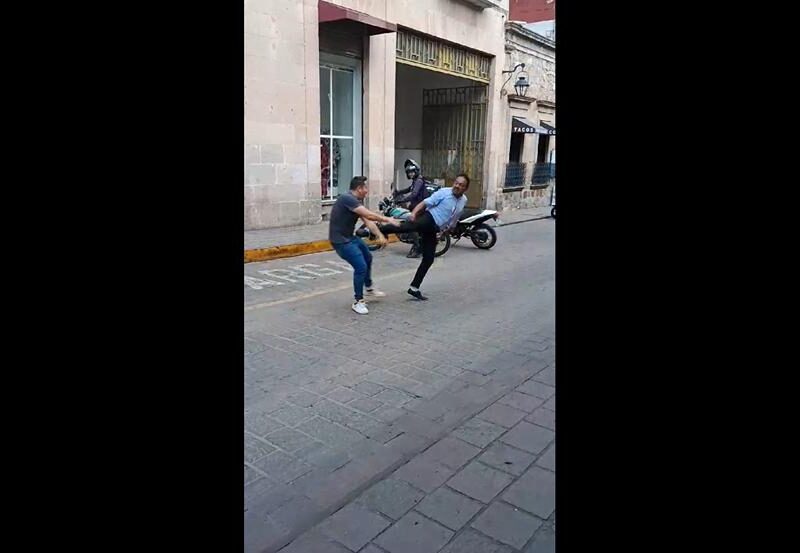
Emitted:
<point x="416" y="193"/>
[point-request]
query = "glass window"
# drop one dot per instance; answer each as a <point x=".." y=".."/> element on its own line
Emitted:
<point x="342" y="164"/>
<point x="325" y="100"/>
<point x="343" y="103"/>
<point x="338" y="124"/>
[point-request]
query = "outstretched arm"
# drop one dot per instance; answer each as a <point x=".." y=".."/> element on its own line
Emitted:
<point x="373" y="228"/>
<point x="366" y="214"/>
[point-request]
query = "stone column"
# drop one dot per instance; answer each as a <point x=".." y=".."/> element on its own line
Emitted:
<point x="379" y="108"/>
<point x="497" y="130"/>
<point x="310" y="206"/>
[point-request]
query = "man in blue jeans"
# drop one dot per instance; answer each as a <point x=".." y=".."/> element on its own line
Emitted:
<point x="344" y="216"/>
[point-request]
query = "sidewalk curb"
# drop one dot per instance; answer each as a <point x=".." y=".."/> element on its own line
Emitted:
<point x="292" y="250"/>
<point x="304" y="248"/>
<point x="524" y="221"/>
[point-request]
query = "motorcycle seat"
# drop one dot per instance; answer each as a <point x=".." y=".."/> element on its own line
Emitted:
<point x="468" y="212"/>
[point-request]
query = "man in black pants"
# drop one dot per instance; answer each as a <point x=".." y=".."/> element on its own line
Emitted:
<point x="435" y="214"/>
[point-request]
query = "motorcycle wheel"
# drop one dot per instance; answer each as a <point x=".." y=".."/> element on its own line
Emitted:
<point x="442" y="244"/>
<point x="484" y="236"/>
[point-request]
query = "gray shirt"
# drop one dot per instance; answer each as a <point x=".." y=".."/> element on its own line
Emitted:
<point x="343" y="220"/>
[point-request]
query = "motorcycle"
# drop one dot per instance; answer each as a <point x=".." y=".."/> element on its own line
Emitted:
<point x="473" y="224"/>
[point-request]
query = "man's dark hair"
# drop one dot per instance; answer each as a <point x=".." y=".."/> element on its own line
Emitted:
<point x="356" y="182"/>
<point x="466" y="177"/>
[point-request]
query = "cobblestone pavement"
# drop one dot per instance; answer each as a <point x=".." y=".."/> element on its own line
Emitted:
<point x="422" y="426"/>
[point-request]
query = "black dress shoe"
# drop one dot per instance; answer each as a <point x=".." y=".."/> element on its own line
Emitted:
<point x="417" y="294"/>
<point x="362" y="232"/>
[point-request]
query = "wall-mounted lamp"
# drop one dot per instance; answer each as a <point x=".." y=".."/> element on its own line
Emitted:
<point x="522" y="84"/>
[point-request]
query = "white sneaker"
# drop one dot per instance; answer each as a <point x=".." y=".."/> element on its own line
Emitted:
<point x="374" y="292"/>
<point x="360" y="307"/>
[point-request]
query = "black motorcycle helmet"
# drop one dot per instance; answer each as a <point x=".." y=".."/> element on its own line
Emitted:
<point x="412" y="169"/>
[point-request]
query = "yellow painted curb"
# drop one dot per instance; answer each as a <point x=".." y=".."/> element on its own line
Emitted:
<point x="291" y="250"/>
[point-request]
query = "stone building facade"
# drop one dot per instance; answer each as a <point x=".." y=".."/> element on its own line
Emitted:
<point x="529" y="121"/>
<point x="323" y="99"/>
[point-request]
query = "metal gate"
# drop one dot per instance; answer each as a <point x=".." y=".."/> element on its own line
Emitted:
<point x="454" y="131"/>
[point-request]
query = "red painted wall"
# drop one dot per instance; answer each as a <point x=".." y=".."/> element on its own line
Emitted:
<point x="531" y="11"/>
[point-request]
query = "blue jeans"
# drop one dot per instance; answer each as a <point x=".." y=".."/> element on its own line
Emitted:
<point x="356" y="253"/>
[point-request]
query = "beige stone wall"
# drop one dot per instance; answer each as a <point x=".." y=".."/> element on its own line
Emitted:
<point x="281" y="95"/>
<point x="540" y="65"/>
<point x="446" y="19"/>
<point x="523" y="199"/>
<point x="453" y="21"/>
<point x="379" y="86"/>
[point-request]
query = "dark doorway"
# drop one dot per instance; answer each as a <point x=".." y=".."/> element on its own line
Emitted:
<point x="515" y="152"/>
<point x="544" y="146"/>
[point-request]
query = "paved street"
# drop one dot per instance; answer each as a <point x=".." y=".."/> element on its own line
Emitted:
<point x="420" y="427"/>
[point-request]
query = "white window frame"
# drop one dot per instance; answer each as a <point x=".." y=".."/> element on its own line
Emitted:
<point x="333" y="61"/>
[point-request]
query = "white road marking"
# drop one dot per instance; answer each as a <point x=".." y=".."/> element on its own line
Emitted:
<point x="285" y="274"/>
<point x="256" y="283"/>
<point x="317" y="269"/>
<point x="321" y="292"/>
<point x="260" y="283"/>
